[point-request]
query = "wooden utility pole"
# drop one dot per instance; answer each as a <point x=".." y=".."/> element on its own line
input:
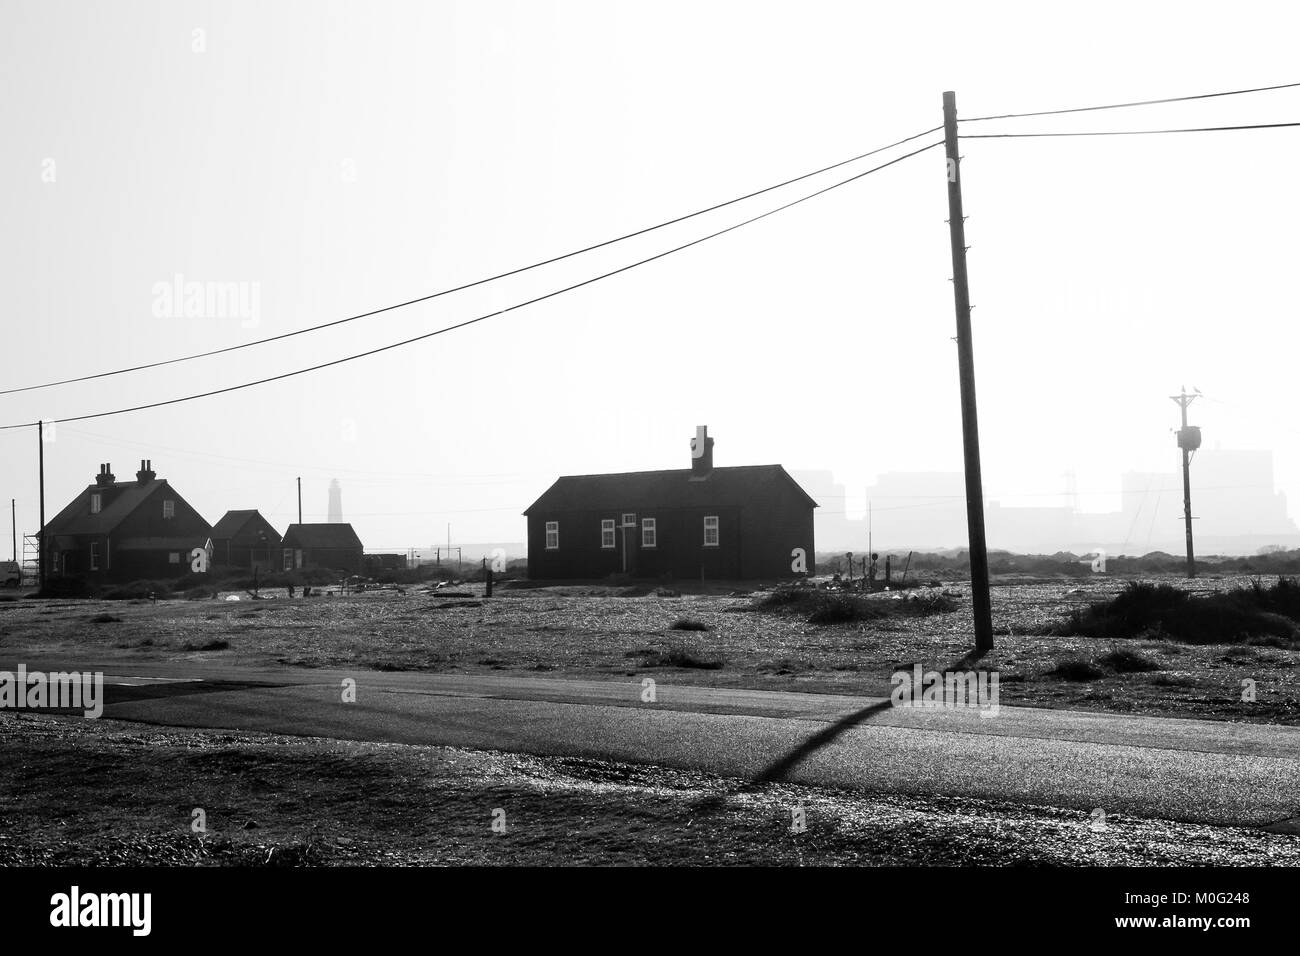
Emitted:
<point x="300" y="501"/>
<point x="13" y="521"/>
<point x="1189" y="439"/>
<point x="979" y="559"/>
<point x="40" y="535"/>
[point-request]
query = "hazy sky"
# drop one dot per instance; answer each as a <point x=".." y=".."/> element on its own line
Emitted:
<point x="337" y="157"/>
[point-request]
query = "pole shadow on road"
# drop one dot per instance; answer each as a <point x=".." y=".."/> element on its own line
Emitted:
<point x="777" y="771"/>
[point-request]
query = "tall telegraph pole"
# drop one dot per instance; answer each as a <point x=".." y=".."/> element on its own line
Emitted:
<point x="1189" y="439"/>
<point x="40" y="535"/>
<point x="979" y="559"/>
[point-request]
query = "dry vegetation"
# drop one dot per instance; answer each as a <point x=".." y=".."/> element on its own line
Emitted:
<point x="725" y="639"/>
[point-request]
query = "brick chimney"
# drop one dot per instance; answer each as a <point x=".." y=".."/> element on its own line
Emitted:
<point x="105" y="477"/>
<point x="701" y="452"/>
<point x="145" y="474"/>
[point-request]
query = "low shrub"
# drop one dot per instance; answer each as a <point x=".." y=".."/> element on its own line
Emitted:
<point x="215" y="644"/>
<point x="840" y="607"/>
<point x="1077" y="669"/>
<point x="139" y="591"/>
<point x="1162" y="611"/>
<point x="1125" y="661"/>
<point x="677" y="654"/>
<point x="688" y="624"/>
<point x="844" y="609"/>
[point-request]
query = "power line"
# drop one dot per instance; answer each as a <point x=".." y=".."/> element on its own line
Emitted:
<point x="1129" y="132"/>
<point x="489" y="315"/>
<point x="467" y="285"/>
<point x="1117" y="106"/>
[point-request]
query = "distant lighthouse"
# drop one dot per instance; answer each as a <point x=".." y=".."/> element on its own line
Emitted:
<point x="336" y="503"/>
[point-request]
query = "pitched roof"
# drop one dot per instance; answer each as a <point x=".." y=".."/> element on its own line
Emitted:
<point x="124" y="498"/>
<point x="675" y="488"/>
<point x="232" y="523"/>
<point x="326" y="535"/>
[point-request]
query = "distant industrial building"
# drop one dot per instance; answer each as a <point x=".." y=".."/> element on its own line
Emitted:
<point x="1236" y="505"/>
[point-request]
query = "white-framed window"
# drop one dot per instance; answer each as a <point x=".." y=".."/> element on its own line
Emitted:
<point x="94" y="555"/>
<point x="629" y="519"/>
<point x="169" y="509"/>
<point x="710" y="531"/>
<point x="96" y="503"/>
<point x="607" y="533"/>
<point x="648" y="533"/>
<point x="552" y="535"/>
<point x="174" y="557"/>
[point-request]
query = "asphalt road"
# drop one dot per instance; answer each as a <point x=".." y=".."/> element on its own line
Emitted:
<point x="1199" y="771"/>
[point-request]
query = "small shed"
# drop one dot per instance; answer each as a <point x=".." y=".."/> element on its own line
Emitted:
<point x="325" y="545"/>
<point x="244" y="539"/>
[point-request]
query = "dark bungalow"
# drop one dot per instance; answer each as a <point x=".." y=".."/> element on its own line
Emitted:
<point x="731" y="523"/>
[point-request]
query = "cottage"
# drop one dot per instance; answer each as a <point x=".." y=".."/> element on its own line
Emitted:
<point x="332" y="546"/>
<point x="244" y="539"/>
<point x="731" y="523"/>
<point x="124" y="530"/>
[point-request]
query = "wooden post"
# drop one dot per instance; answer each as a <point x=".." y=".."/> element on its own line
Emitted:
<point x="40" y="535"/>
<point x="1183" y="400"/>
<point x="979" y="558"/>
